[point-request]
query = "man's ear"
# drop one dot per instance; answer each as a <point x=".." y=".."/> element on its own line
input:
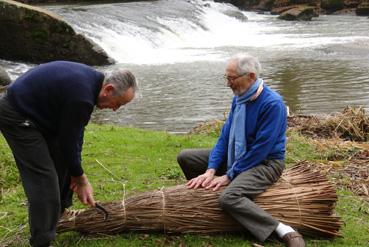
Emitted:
<point x="104" y="91"/>
<point x="252" y="76"/>
<point x="108" y="88"/>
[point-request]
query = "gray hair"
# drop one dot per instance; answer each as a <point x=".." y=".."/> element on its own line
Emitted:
<point x="122" y="80"/>
<point x="247" y="63"/>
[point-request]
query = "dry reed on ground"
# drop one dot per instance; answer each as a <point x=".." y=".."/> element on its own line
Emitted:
<point x="352" y="124"/>
<point x="352" y="174"/>
<point x="301" y="198"/>
<point x="208" y="127"/>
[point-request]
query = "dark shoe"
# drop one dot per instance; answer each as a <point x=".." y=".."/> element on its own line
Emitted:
<point x="294" y="239"/>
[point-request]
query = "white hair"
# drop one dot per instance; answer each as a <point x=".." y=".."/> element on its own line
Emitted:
<point x="122" y="80"/>
<point x="247" y="63"/>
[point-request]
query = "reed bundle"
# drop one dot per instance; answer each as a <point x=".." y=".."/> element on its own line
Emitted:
<point x="301" y="198"/>
<point x="351" y="124"/>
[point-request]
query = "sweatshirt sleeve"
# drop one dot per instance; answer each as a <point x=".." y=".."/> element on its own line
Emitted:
<point x="218" y="154"/>
<point x="74" y="118"/>
<point x="271" y="123"/>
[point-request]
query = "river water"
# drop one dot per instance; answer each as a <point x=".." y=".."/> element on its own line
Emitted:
<point x="178" y="50"/>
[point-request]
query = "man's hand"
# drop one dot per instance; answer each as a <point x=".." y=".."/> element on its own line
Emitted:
<point x="202" y="180"/>
<point x="82" y="187"/>
<point x="217" y="182"/>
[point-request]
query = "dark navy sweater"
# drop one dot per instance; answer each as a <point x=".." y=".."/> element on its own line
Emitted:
<point x="59" y="97"/>
<point x="266" y="124"/>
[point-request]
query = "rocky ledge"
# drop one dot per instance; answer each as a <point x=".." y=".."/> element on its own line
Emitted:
<point x="4" y="78"/>
<point x="35" y="35"/>
<point x="303" y="9"/>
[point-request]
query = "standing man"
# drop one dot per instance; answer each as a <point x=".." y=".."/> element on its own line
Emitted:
<point x="249" y="155"/>
<point x="42" y="117"/>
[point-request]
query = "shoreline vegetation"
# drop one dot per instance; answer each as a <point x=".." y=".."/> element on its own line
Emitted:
<point x="131" y="160"/>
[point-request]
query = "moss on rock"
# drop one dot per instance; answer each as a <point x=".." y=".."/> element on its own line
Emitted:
<point x="36" y="35"/>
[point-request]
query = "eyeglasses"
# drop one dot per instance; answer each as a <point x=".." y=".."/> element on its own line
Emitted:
<point x="232" y="78"/>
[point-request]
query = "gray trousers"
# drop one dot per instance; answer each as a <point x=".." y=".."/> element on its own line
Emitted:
<point x="44" y="175"/>
<point x="236" y="199"/>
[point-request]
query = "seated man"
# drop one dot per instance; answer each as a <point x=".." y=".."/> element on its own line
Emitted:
<point x="249" y="155"/>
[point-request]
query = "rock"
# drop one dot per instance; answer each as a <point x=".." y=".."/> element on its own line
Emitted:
<point x="363" y="9"/>
<point x="345" y="11"/>
<point x="351" y="3"/>
<point x="236" y="14"/>
<point x="71" y="1"/>
<point x="242" y="4"/>
<point x="265" y="5"/>
<point x="332" y="5"/>
<point x="302" y="13"/>
<point x="337" y="7"/>
<point x="280" y="10"/>
<point x="34" y="35"/>
<point x="4" y="77"/>
<point x="280" y="6"/>
<point x="283" y="3"/>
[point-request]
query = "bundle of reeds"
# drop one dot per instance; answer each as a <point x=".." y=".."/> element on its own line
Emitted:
<point x="351" y="124"/>
<point x="301" y="198"/>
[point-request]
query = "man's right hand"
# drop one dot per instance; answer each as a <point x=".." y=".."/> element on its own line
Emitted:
<point x="82" y="187"/>
<point x="202" y="180"/>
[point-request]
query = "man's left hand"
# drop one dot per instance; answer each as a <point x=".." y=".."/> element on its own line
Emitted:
<point x="217" y="182"/>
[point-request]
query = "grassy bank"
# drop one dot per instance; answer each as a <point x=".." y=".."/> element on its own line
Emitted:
<point x="146" y="160"/>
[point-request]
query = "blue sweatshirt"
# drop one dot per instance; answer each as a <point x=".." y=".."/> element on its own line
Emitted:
<point x="59" y="97"/>
<point x="266" y="124"/>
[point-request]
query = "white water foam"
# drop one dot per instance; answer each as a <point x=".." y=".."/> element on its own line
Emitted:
<point x="206" y="37"/>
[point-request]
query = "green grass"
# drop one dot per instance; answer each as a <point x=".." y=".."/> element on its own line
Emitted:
<point x="146" y="160"/>
<point x="299" y="149"/>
